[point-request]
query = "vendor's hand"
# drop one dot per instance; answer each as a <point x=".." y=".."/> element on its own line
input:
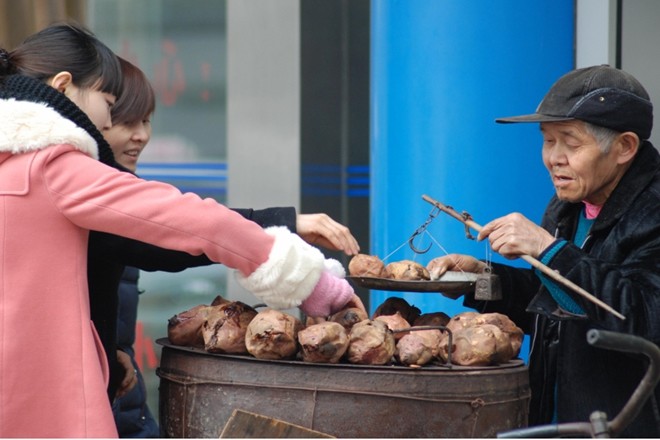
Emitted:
<point x="514" y="235"/>
<point x="456" y="262"/>
<point x="130" y="374"/>
<point x="320" y="229"/>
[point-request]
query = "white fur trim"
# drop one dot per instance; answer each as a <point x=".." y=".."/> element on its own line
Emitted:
<point x="335" y="268"/>
<point x="30" y="126"/>
<point x="289" y="275"/>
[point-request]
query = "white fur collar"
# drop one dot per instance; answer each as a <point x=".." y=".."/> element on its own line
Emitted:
<point x="29" y="126"/>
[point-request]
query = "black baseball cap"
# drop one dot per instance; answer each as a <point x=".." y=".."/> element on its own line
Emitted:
<point x="600" y="95"/>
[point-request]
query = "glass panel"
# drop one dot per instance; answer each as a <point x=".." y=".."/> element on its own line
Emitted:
<point x="181" y="47"/>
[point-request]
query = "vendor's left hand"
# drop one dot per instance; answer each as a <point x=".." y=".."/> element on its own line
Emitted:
<point x="130" y="374"/>
<point x="514" y="235"/>
<point x="320" y="229"/>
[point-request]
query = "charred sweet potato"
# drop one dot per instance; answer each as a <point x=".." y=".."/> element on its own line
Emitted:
<point x="393" y="305"/>
<point x="435" y="318"/>
<point x="323" y="343"/>
<point x="349" y="317"/>
<point x="370" y="343"/>
<point x="185" y="328"/>
<point x="273" y="335"/>
<point x="225" y="328"/>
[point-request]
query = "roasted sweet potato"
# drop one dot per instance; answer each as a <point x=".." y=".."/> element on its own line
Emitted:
<point x="393" y="305"/>
<point x="225" y="328"/>
<point x="323" y="343"/>
<point x="394" y="322"/>
<point x="185" y="328"/>
<point x="407" y="270"/>
<point x="370" y="343"/>
<point x="480" y="345"/>
<point x="435" y="318"/>
<point x="349" y="317"/>
<point x="418" y="347"/>
<point x="273" y="335"/>
<point x="363" y="265"/>
<point x="505" y="324"/>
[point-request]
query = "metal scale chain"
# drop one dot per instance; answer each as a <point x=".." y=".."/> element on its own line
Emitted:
<point x="487" y="285"/>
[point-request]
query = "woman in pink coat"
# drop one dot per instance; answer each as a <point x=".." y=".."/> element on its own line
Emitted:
<point x="56" y="91"/>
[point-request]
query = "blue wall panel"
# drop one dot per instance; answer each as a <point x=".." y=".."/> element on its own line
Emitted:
<point x="442" y="71"/>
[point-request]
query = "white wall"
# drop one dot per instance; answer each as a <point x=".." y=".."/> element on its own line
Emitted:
<point x="640" y="42"/>
<point x="263" y="107"/>
<point x="263" y="102"/>
<point x="640" y="50"/>
<point x="595" y="33"/>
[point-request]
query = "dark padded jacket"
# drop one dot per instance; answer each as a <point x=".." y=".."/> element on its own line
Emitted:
<point x="133" y="416"/>
<point x="620" y="264"/>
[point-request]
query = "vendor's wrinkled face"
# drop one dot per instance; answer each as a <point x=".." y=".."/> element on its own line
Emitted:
<point x="578" y="167"/>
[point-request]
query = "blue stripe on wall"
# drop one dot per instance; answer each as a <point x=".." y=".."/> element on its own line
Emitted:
<point x="328" y="180"/>
<point x="210" y="179"/>
<point x="205" y="179"/>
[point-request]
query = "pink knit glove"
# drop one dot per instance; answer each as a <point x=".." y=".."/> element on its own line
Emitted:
<point x="329" y="296"/>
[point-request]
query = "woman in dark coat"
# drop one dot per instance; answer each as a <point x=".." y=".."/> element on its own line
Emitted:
<point x="113" y="259"/>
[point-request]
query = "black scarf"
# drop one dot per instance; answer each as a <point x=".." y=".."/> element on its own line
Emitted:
<point x="23" y="88"/>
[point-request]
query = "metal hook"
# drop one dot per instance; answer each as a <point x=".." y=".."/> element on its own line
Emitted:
<point x="433" y="214"/>
<point x="415" y="249"/>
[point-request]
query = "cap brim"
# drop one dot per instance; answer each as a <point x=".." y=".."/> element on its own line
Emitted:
<point x="534" y="117"/>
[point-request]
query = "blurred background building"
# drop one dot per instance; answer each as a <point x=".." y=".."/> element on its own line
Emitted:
<point x="354" y="108"/>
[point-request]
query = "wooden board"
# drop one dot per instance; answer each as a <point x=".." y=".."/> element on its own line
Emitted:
<point x="244" y="424"/>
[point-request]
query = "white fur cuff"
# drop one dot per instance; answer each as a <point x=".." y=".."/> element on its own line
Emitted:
<point x="334" y="267"/>
<point x="289" y="275"/>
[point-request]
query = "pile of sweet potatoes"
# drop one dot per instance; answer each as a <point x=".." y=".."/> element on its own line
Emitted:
<point x="396" y="334"/>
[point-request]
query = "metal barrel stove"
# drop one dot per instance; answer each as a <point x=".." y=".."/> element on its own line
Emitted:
<point x="200" y="390"/>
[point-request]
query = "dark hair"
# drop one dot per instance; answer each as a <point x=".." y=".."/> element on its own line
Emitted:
<point x="6" y="67"/>
<point x="66" y="47"/>
<point x="137" y="100"/>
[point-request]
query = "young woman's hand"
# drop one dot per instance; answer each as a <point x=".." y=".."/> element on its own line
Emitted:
<point x="130" y="374"/>
<point x="322" y="230"/>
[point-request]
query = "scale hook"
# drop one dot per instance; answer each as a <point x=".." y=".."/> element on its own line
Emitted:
<point x="414" y="248"/>
<point x="433" y="214"/>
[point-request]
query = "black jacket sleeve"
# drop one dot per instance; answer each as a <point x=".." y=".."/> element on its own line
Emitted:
<point x="147" y="257"/>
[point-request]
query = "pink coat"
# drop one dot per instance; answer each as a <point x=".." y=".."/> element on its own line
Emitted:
<point x="53" y="372"/>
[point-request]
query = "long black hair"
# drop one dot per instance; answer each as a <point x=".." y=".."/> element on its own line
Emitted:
<point x="65" y="47"/>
